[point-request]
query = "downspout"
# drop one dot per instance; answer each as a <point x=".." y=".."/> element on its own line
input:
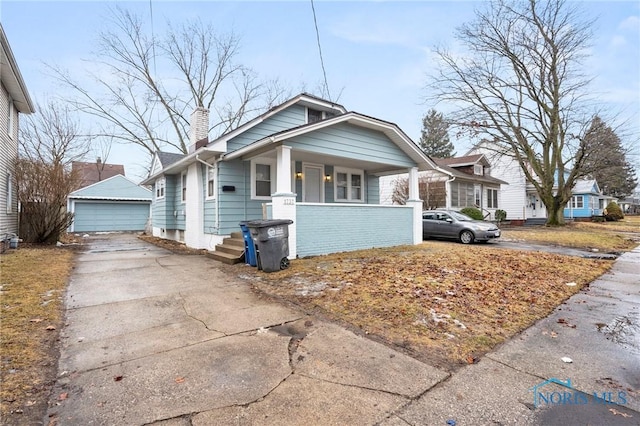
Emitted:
<point x="448" y="191"/>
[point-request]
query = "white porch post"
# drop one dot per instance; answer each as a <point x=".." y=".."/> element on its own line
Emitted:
<point x="283" y="202"/>
<point x="415" y="201"/>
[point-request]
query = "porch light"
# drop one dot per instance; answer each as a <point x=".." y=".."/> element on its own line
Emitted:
<point x="327" y="178"/>
<point x="299" y="175"/>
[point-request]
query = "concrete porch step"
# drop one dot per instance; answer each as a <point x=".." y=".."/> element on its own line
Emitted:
<point x="229" y="259"/>
<point x="235" y="250"/>
<point x="237" y="242"/>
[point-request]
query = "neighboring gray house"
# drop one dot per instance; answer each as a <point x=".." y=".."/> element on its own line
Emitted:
<point x="14" y="99"/>
<point x="308" y="160"/>
<point x="113" y="204"/>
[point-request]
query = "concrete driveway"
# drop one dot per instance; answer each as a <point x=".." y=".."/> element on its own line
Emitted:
<point x="157" y="338"/>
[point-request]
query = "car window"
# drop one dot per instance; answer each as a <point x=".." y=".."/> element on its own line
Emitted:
<point x="429" y="216"/>
<point x="460" y="216"/>
<point x="443" y="216"/>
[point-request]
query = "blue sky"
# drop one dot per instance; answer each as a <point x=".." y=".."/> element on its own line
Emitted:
<point x="376" y="54"/>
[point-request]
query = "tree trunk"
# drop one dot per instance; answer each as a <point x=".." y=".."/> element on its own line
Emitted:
<point x="555" y="213"/>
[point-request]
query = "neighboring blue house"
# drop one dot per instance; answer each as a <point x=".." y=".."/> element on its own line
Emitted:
<point x="587" y="200"/>
<point x="114" y="204"/>
<point x="308" y="160"/>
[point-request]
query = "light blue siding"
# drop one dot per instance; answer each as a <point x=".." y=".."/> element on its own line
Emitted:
<point x="236" y="206"/>
<point x="323" y="229"/>
<point x="293" y="116"/>
<point x="92" y="216"/>
<point x="352" y="142"/>
<point x="164" y="209"/>
<point x="591" y="207"/>
<point x="373" y="189"/>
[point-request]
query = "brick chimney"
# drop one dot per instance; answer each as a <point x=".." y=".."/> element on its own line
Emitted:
<point x="198" y="128"/>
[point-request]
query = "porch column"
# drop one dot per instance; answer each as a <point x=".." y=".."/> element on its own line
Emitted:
<point x="415" y="202"/>
<point x="283" y="202"/>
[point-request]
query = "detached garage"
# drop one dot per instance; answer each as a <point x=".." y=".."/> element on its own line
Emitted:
<point x="114" y="204"/>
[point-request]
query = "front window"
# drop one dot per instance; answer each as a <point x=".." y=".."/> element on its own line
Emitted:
<point x="184" y="187"/>
<point x="477" y="197"/>
<point x="577" y="202"/>
<point x="492" y="198"/>
<point x="160" y="188"/>
<point x="262" y="178"/>
<point x="10" y="107"/>
<point x="211" y="182"/>
<point x="349" y="185"/>
<point x="462" y="194"/>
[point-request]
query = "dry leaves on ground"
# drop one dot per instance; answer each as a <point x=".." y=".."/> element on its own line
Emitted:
<point x="447" y="301"/>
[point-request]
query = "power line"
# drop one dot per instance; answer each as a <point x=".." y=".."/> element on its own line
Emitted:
<point x="324" y="72"/>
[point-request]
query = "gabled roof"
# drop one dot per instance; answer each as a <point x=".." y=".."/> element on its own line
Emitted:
<point x="168" y="158"/>
<point x="116" y="187"/>
<point x="462" y="175"/>
<point x="467" y="160"/>
<point x="11" y="77"/>
<point x="302" y="99"/>
<point x="584" y="186"/>
<point x="90" y="173"/>
<point x="391" y="130"/>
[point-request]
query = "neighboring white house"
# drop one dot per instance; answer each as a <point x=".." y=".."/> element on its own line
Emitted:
<point x="520" y="198"/>
<point x="14" y="99"/>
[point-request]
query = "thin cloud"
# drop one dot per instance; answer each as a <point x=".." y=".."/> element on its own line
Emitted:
<point x="631" y="23"/>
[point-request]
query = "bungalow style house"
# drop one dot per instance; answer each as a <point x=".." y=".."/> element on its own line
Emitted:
<point x="520" y="198"/>
<point x="456" y="183"/>
<point x="308" y="160"/>
<point x="14" y="100"/>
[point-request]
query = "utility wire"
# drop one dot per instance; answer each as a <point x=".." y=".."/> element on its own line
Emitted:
<point x="324" y="72"/>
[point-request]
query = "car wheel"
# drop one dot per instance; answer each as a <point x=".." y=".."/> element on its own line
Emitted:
<point x="466" y="237"/>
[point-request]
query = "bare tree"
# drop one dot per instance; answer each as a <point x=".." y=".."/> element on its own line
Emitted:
<point x="52" y="136"/>
<point x="521" y="88"/>
<point x="149" y="86"/>
<point x="49" y="142"/>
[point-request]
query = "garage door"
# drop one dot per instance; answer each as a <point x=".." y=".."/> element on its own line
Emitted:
<point x="93" y="217"/>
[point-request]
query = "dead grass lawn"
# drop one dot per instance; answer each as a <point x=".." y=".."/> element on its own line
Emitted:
<point x="445" y="303"/>
<point x="32" y="282"/>
<point x="604" y="236"/>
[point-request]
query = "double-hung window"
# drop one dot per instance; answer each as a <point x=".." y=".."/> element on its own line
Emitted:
<point x="9" y="193"/>
<point x="577" y="202"/>
<point x="349" y="185"/>
<point x="211" y="182"/>
<point x="160" y="188"/>
<point x="262" y="178"/>
<point x="492" y="198"/>
<point x="183" y="196"/>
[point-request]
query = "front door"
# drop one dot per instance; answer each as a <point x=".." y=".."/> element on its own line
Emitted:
<point x="312" y="190"/>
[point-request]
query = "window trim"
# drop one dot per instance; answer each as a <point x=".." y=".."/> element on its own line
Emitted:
<point x="161" y="186"/>
<point x="183" y="187"/>
<point x="272" y="175"/>
<point x="574" y="202"/>
<point x="211" y="169"/>
<point x="349" y="172"/>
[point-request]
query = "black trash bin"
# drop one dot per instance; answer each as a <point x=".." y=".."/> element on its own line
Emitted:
<point x="272" y="240"/>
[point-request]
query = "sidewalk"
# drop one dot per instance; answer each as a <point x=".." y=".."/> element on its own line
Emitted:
<point x="158" y="338"/>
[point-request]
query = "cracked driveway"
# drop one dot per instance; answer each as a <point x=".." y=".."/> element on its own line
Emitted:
<point x="152" y="337"/>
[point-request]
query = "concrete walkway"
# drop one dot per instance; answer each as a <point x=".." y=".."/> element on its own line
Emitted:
<point x="157" y="338"/>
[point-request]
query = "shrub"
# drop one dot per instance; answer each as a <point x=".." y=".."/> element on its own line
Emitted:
<point x="613" y="212"/>
<point x="500" y="215"/>
<point x="473" y="213"/>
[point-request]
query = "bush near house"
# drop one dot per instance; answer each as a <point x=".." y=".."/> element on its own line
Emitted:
<point x="613" y="212"/>
<point x="500" y="215"/>
<point x="473" y="213"/>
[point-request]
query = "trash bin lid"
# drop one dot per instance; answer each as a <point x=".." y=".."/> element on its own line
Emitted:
<point x="268" y="222"/>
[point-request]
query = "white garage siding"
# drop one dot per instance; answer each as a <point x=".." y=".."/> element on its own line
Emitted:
<point x="94" y="216"/>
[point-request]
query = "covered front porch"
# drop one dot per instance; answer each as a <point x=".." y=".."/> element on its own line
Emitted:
<point x="334" y="204"/>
